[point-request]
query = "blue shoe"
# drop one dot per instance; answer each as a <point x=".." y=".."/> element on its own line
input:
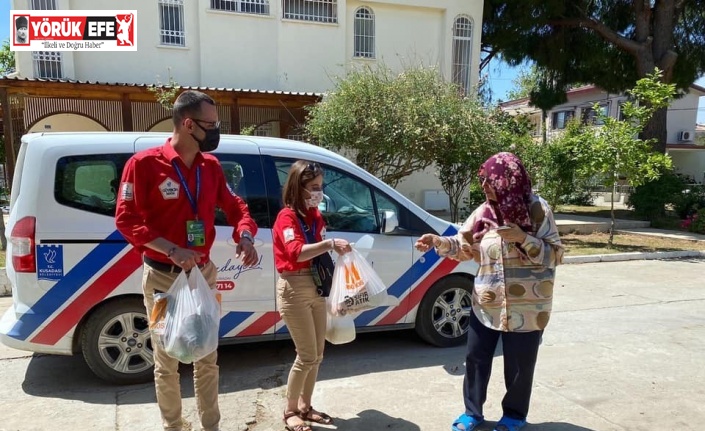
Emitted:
<point x="509" y="424"/>
<point x="468" y="423"/>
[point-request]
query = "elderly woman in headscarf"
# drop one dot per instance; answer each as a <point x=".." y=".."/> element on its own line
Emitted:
<point x="514" y="238"/>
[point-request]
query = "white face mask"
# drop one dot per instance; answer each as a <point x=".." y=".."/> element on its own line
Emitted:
<point x="315" y="199"/>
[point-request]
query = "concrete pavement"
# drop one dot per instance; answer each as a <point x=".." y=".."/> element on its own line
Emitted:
<point x="623" y="351"/>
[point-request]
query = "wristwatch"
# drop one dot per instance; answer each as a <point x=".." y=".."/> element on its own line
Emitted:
<point x="247" y="235"/>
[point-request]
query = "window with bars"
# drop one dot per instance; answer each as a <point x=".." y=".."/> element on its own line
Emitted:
<point x="42" y="4"/>
<point x="311" y="10"/>
<point x="364" y="33"/>
<point x="171" y="22"/>
<point x="258" y="7"/>
<point x="462" y="53"/>
<point x="47" y="64"/>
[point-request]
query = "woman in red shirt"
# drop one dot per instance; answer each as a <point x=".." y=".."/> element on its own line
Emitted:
<point x="300" y="306"/>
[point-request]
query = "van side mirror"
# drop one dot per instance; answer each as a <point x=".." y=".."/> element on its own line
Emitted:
<point x="389" y="221"/>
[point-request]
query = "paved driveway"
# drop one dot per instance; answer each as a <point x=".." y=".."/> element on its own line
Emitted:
<point x="624" y="350"/>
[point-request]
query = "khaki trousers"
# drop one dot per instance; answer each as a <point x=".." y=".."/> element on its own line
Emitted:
<point x="304" y="313"/>
<point x="166" y="368"/>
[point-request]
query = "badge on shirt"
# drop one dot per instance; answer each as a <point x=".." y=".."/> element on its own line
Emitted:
<point x="288" y="234"/>
<point x="127" y="191"/>
<point x="195" y="233"/>
<point x="169" y="189"/>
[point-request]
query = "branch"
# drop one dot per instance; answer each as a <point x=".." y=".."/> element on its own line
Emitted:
<point x="486" y="61"/>
<point x="607" y="33"/>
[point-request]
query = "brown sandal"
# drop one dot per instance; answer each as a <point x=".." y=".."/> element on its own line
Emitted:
<point x="299" y="427"/>
<point x="315" y="416"/>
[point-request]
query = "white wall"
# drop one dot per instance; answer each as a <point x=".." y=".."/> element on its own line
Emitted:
<point x="682" y="115"/>
<point x="67" y="123"/>
<point x="689" y="162"/>
<point x="238" y="50"/>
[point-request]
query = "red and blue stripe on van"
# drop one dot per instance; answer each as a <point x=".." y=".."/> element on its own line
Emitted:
<point x="64" y="305"/>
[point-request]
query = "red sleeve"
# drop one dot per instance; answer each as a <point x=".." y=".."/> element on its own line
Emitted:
<point x="322" y="223"/>
<point x="235" y="208"/>
<point x="288" y="233"/>
<point x="131" y="201"/>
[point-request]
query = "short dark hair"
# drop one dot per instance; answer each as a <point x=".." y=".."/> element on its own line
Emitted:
<point x="188" y="105"/>
<point x="21" y="22"/>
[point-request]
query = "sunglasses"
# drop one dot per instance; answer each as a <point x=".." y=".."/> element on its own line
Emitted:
<point x="313" y="168"/>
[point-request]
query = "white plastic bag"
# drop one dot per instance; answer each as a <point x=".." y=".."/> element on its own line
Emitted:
<point x="354" y="284"/>
<point x="187" y="317"/>
<point x="340" y="329"/>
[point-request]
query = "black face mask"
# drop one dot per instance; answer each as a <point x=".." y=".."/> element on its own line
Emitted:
<point x="210" y="141"/>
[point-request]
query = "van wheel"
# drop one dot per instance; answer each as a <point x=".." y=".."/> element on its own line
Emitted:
<point x="117" y="344"/>
<point x="444" y="314"/>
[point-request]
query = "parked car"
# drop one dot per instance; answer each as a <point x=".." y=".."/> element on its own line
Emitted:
<point x="77" y="283"/>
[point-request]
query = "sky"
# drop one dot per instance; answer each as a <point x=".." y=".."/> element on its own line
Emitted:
<point x="500" y="74"/>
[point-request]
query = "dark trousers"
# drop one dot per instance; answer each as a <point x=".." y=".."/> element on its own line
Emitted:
<point x="520" y="350"/>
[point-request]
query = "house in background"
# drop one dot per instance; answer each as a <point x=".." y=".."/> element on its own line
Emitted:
<point x="286" y="53"/>
<point x="684" y="143"/>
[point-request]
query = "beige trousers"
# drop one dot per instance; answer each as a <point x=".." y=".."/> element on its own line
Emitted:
<point x="166" y="368"/>
<point x="304" y="313"/>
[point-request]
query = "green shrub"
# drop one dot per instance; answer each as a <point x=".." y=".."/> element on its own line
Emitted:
<point x="689" y="201"/>
<point x="696" y="222"/>
<point x="649" y="200"/>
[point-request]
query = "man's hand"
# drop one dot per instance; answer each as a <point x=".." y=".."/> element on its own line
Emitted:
<point x="246" y="252"/>
<point x="426" y="242"/>
<point x="186" y="258"/>
<point x="515" y="234"/>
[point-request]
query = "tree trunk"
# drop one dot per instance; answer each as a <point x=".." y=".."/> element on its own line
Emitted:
<point x="3" y="240"/>
<point x="612" y="224"/>
<point x="656" y="129"/>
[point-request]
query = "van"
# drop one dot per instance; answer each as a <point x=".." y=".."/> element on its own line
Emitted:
<point x="76" y="282"/>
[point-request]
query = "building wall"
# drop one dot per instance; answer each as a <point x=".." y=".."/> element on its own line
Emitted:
<point x="690" y="162"/>
<point x="240" y="50"/>
<point x="66" y="123"/>
<point x="682" y="115"/>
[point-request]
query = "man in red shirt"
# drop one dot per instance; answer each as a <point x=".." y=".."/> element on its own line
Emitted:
<point x="166" y="209"/>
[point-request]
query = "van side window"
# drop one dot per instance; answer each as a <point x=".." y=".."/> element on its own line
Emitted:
<point x="347" y="201"/>
<point x="243" y="173"/>
<point x="89" y="182"/>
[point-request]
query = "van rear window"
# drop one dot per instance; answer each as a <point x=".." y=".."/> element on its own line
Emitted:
<point x="89" y="182"/>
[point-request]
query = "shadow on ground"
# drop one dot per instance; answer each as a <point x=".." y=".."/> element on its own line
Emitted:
<point x="374" y="420"/>
<point x="249" y="366"/>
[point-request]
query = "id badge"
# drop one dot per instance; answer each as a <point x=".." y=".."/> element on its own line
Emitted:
<point x="195" y="233"/>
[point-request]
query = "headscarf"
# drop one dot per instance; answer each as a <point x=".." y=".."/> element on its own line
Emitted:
<point x="505" y="173"/>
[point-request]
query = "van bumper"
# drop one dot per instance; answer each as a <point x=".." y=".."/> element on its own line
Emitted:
<point x="9" y="322"/>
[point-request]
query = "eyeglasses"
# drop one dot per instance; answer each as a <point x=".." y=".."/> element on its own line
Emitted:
<point x="209" y="124"/>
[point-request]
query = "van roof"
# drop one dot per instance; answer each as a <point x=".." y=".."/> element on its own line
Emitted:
<point x="58" y="139"/>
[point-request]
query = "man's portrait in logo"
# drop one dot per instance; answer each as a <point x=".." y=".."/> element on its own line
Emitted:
<point x="21" y="30"/>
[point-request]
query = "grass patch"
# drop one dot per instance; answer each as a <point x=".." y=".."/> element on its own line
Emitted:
<point x="596" y="243"/>
<point x="2" y="258"/>
<point x="592" y="211"/>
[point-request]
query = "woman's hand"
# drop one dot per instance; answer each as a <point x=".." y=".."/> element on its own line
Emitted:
<point x="426" y="242"/>
<point x="515" y="234"/>
<point x="341" y="246"/>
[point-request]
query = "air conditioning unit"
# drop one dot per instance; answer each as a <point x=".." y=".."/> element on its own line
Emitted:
<point x="685" y="135"/>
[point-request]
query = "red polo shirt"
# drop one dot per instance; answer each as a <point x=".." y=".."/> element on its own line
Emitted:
<point x="152" y="202"/>
<point x="289" y="238"/>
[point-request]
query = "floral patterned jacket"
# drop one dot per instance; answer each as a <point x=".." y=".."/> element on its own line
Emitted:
<point x="513" y="289"/>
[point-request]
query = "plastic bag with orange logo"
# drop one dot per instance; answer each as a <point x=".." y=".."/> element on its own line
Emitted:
<point x="186" y="318"/>
<point x="355" y="285"/>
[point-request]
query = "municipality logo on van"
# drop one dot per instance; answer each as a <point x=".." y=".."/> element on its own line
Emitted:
<point x="169" y="189"/>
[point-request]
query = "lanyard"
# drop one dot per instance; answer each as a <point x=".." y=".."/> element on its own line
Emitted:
<point x="192" y="201"/>
<point x="309" y="234"/>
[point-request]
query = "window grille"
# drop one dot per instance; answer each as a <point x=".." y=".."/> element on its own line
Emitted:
<point x="47" y="64"/>
<point x="462" y="53"/>
<point x="264" y="130"/>
<point x="171" y="22"/>
<point x="311" y="10"/>
<point x="591" y="117"/>
<point x="258" y="7"/>
<point x="42" y="4"/>
<point x="364" y="33"/>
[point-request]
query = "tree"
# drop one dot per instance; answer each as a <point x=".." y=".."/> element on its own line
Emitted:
<point x="470" y="139"/>
<point x="165" y="94"/>
<point x="390" y="124"/>
<point x="7" y="58"/>
<point x="524" y="83"/>
<point x="614" y="150"/>
<point x="611" y="44"/>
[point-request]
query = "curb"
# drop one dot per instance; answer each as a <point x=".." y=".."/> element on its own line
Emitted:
<point x="621" y="257"/>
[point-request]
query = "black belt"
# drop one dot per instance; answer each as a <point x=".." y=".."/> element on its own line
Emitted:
<point x="165" y="267"/>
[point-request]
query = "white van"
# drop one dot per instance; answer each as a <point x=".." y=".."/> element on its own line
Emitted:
<point x="76" y="282"/>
